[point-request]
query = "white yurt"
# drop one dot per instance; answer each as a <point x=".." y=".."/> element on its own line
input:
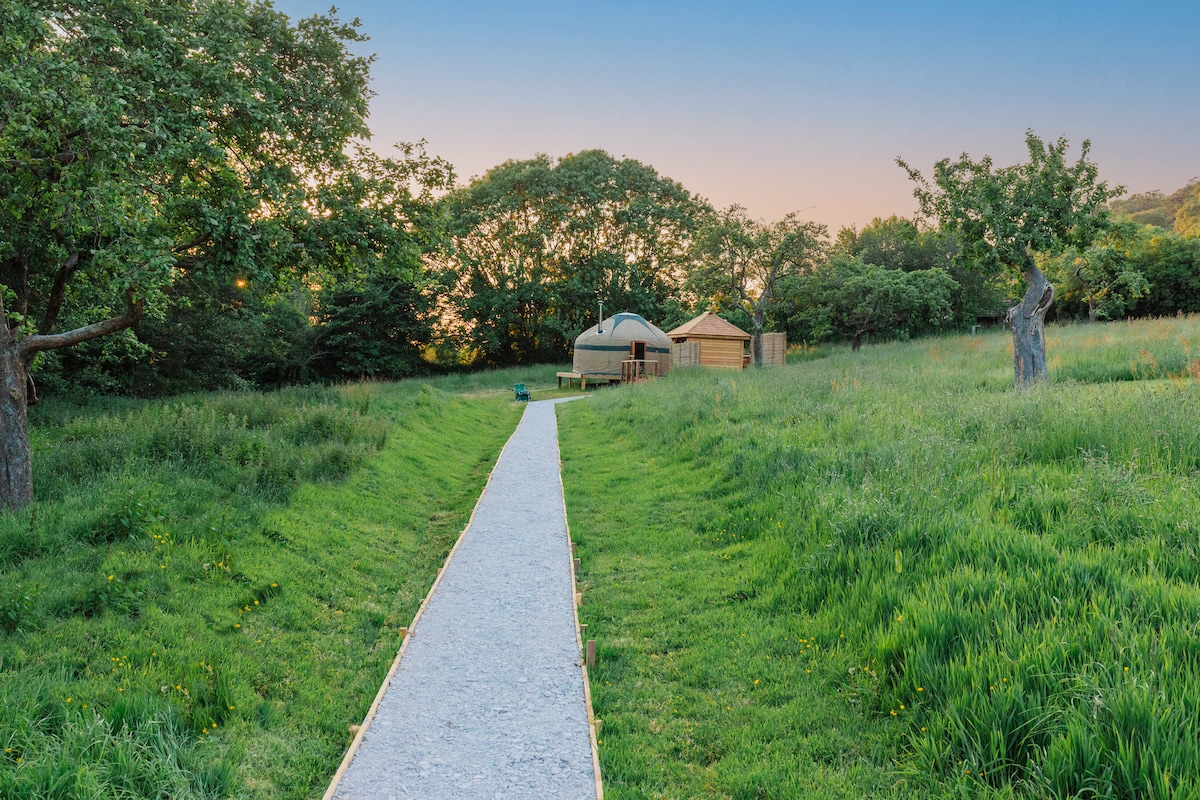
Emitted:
<point x="600" y="349"/>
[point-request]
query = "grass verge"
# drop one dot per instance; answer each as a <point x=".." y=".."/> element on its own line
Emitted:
<point x="886" y="572"/>
<point x="209" y="590"/>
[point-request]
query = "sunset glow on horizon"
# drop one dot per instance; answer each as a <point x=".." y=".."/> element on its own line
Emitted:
<point x="784" y="107"/>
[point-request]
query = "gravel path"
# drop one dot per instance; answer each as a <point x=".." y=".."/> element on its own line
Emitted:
<point x="488" y="700"/>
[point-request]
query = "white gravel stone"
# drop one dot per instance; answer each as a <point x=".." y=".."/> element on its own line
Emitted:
<point x="488" y="701"/>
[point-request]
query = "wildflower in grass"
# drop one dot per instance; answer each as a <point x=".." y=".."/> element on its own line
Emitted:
<point x="920" y="688"/>
<point x="238" y="625"/>
<point x="893" y="712"/>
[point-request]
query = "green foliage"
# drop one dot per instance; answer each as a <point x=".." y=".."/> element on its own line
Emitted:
<point x="1136" y="271"/>
<point x="1178" y="212"/>
<point x="845" y="298"/>
<point x="1100" y="278"/>
<point x="741" y="262"/>
<point x="891" y="574"/>
<point x="199" y="620"/>
<point x="378" y="328"/>
<point x="1003" y="215"/>
<point x="535" y="245"/>
<point x="142" y="140"/>
<point x="898" y="243"/>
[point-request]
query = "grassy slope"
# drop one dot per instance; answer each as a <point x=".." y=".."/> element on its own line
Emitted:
<point x="256" y="591"/>
<point x="888" y="572"/>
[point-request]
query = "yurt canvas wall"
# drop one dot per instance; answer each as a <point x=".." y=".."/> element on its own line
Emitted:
<point x="600" y="349"/>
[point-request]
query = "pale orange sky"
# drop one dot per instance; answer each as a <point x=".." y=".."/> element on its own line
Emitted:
<point x="788" y="106"/>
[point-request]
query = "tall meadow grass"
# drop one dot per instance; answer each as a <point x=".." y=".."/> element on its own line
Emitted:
<point x="208" y="590"/>
<point x="1000" y="589"/>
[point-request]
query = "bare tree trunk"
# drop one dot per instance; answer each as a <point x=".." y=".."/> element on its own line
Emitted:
<point x="756" y="317"/>
<point x="16" y="466"/>
<point x="1028" y="322"/>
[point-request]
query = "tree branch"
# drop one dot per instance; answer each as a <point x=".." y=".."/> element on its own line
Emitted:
<point x="31" y="345"/>
<point x="58" y="291"/>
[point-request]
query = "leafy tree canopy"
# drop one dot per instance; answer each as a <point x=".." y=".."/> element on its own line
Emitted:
<point x="145" y="142"/>
<point x="535" y="244"/>
<point x="1005" y="216"/>
<point x="740" y="261"/>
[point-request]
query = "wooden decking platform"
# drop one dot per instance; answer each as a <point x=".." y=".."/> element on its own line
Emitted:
<point x="583" y="379"/>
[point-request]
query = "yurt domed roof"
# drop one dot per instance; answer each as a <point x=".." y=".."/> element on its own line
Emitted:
<point x="601" y="348"/>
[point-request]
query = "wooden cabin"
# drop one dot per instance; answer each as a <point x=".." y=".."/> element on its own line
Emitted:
<point x="709" y="341"/>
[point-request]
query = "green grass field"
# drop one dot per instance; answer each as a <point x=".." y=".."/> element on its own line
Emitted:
<point x="881" y="573"/>
<point x="887" y="573"/>
<point x="209" y="591"/>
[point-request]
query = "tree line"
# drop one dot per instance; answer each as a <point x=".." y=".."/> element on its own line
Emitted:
<point x="191" y="201"/>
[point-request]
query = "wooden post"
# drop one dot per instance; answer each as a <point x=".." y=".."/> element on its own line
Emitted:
<point x="578" y="564"/>
<point x="573" y="546"/>
<point x="591" y="653"/>
<point x="579" y="598"/>
<point x="403" y="634"/>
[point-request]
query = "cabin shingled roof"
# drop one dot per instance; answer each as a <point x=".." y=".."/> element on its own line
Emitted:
<point x="709" y="324"/>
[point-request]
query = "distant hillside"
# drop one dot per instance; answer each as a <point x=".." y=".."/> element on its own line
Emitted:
<point x="1179" y="211"/>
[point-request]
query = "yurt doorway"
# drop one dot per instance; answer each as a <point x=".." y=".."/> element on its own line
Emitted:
<point x="637" y="351"/>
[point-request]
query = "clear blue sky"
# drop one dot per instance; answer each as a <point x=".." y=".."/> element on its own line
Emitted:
<point x="788" y="106"/>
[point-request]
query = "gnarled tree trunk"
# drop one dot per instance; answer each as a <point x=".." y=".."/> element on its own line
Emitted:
<point x="16" y="354"/>
<point x="1028" y="322"/>
<point x="16" y="466"/>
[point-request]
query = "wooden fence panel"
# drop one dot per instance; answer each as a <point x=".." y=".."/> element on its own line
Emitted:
<point x="774" y="349"/>
<point x="685" y="354"/>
